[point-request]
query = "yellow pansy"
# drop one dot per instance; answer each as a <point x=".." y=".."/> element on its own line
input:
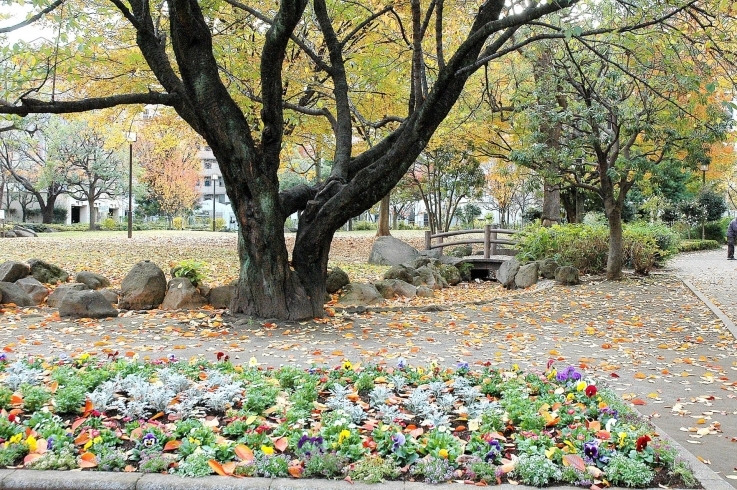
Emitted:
<point x="14" y="440"/>
<point x="443" y="453"/>
<point x="347" y="365"/>
<point x="194" y="441"/>
<point x="515" y="367"/>
<point x="552" y="373"/>
<point x="581" y="385"/>
<point x="570" y="396"/>
<point x="32" y="444"/>
<point x="267" y="450"/>
<point x="622" y="437"/>
<point x="345" y="433"/>
<point x="252" y="362"/>
<point x="83" y="357"/>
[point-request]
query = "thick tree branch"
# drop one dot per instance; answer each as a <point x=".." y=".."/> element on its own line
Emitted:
<point x="296" y="198"/>
<point x="31" y="19"/>
<point x="35" y="106"/>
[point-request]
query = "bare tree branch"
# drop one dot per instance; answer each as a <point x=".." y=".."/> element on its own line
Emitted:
<point x="35" y="106"/>
<point x="31" y="19"/>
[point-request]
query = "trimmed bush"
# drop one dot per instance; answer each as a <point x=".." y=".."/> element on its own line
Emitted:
<point x="695" y="245"/>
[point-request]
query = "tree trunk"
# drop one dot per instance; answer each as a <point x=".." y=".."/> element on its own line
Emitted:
<point x="551" y="204"/>
<point x="615" y="260"/>
<point x="383" y="228"/>
<point x="47" y="210"/>
<point x="91" y="205"/>
<point x="580" y="205"/>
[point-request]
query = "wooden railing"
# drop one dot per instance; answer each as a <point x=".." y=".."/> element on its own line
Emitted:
<point x="490" y="240"/>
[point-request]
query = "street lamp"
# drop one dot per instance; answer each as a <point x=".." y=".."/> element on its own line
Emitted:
<point x="704" y="166"/>
<point x="214" y="184"/>
<point x="131" y="137"/>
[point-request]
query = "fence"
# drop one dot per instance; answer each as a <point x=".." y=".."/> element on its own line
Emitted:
<point x="490" y="240"/>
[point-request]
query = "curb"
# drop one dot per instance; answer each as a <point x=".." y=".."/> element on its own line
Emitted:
<point x="714" y="308"/>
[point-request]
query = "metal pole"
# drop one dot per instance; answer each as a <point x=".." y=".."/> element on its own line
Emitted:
<point x="130" y="190"/>
<point x="213" y="202"/>
<point x="703" y="177"/>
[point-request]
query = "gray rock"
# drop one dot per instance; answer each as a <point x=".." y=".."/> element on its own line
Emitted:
<point x="85" y="304"/>
<point x="430" y="277"/>
<point x="33" y="288"/>
<point x="450" y="273"/>
<point x="425" y="292"/>
<point x="388" y="250"/>
<point x="336" y="280"/>
<point x="434" y="253"/>
<point x="58" y="293"/>
<point x="12" y="293"/>
<point x="507" y="271"/>
<point x="10" y="234"/>
<point x="389" y="288"/>
<point x="47" y="273"/>
<point x="547" y="268"/>
<point x="567" y="275"/>
<point x="402" y="272"/>
<point x="423" y="261"/>
<point x="110" y="295"/>
<point x="181" y="294"/>
<point x="221" y="296"/>
<point x="144" y="288"/>
<point x="526" y="275"/>
<point x="360" y="295"/>
<point x="461" y="251"/>
<point x="12" y="271"/>
<point x="92" y="280"/>
<point x="24" y="232"/>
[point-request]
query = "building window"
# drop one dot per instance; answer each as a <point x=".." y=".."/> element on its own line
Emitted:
<point x="208" y="164"/>
<point x="207" y="182"/>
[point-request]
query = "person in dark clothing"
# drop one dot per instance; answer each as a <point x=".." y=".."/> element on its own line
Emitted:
<point x="731" y="235"/>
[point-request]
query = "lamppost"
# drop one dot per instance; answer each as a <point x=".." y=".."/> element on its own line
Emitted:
<point x="131" y="137"/>
<point x="214" y="185"/>
<point x="704" y="166"/>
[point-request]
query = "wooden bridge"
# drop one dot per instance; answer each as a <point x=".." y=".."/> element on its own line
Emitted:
<point x="496" y="250"/>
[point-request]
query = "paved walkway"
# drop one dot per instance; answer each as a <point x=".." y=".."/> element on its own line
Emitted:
<point x="667" y="349"/>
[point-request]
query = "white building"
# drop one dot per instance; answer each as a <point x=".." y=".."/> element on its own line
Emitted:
<point x="211" y="184"/>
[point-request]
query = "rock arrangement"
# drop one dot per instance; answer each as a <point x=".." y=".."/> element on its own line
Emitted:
<point x="18" y="232"/>
<point x="145" y="287"/>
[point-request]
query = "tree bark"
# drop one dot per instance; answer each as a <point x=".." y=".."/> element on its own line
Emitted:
<point x="615" y="259"/>
<point x="383" y="227"/>
<point x="91" y="205"/>
<point x="551" y="204"/>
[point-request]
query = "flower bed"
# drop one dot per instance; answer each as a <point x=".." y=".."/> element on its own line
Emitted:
<point x="195" y="418"/>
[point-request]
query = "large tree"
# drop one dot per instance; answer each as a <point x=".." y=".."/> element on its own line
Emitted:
<point x="231" y="71"/>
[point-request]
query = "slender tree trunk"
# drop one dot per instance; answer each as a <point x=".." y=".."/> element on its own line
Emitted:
<point x="91" y="205"/>
<point x="580" y="205"/>
<point x="551" y="204"/>
<point x="383" y="228"/>
<point x="615" y="260"/>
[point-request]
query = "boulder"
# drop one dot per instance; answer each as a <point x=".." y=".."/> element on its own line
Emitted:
<point x="12" y="293"/>
<point x="425" y="292"/>
<point x="360" y="295"/>
<point x="402" y="272"/>
<point x="10" y="234"/>
<point x="461" y="251"/>
<point x="33" y="288"/>
<point x="92" y="280"/>
<point x="12" y="271"/>
<point x="389" y="288"/>
<point x="85" y="304"/>
<point x="434" y="253"/>
<point x="58" y="293"/>
<point x="388" y="250"/>
<point x="110" y="295"/>
<point x="336" y="280"/>
<point x="450" y="273"/>
<point x="221" y="296"/>
<point x="181" y="294"/>
<point x="507" y="271"/>
<point x="424" y="260"/>
<point x="567" y="275"/>
<point x="431" y="278"/>
<point x="47" y="273"/>
<point x="526" y="275"/>
<point x="547" y="268"/>
<point x="24" y="232"/>
<point x="144" y="288"/>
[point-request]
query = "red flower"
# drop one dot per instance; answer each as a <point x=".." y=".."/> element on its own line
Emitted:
<point x="642" y="443"/>
<point x="590" y="390"/>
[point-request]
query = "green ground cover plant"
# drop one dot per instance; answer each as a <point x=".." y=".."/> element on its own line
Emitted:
<point x="585" y="246"/>
<point x="421" y="423"/>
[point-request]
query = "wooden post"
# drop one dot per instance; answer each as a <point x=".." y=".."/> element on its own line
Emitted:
<point x="493" y="237"/>
<point x="440" y="239"/>
<point x="428" y="240"/>
<point x="487" y="242"/>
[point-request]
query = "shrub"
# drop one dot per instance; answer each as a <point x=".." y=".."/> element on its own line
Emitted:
<point x="177" y="223"/>
<point x="109" y="224"/>
<point x="364" y="225"/>
<point x="60" y="215"/>
<point x="694" y="245"/>
<point x="191" y="269"/>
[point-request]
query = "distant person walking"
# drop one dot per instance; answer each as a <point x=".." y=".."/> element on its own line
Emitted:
<point x="731" y="235"/>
